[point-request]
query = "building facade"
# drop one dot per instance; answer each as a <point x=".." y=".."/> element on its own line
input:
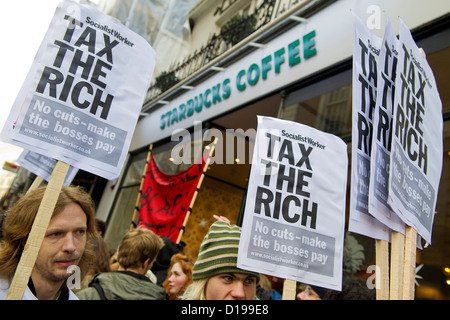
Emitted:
<point x="287" y="59"/>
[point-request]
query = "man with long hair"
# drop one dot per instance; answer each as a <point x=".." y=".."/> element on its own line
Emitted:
<point x="64" y="246"/>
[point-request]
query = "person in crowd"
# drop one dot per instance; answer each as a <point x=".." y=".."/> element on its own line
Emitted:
<point x="113" y="263"/>
<point x="264" y="290"/>
<point x="137" y="252"/>
<point x="101" y="227"/>
<point x="162" y="263"/>
<point x="66" y="243"/>
<point x="353" y="288"/>
<point x="310" y="294"/>
<point x="101" y="263"/>
<point x="179" y="275"/>
<point x="158" y="273"/>
<point x="215" y="273"/>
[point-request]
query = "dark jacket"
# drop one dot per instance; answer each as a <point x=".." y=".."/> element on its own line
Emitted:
<point x="122" y="285"/>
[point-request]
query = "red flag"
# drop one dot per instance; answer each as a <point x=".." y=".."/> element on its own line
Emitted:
<point x="166" y="198"/>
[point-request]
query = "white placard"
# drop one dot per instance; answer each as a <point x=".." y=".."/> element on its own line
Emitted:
<point x="82" y="96"/>
<point x="43" y="166"/>
<point x="294" y="218"/>
<point x="382" y="133"/>
<point x="366" y="50"/>
<point x="417" y="147"/>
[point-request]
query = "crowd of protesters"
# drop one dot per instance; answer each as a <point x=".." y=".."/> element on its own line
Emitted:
<point x="145" y="266"/>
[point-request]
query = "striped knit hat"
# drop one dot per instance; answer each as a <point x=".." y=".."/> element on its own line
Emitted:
<point x="218" y="252"/>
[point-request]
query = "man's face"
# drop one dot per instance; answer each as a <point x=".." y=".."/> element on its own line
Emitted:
<point x="63" y="245"/>
<point x="231" y="286"/>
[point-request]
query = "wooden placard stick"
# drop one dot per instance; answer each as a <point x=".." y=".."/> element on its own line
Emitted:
<point x="194" y="197"/>
<point x="36" y="183"/>
<point x="409" y="268"/>
<point x="289" y="289"/>
<point x="138" y="200"/>
<point x="382" y="270"/>
<point x="37" y="233"/>
<point x="397" y="256"/>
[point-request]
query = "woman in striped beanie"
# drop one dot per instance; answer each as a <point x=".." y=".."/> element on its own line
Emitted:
<point x="215" y="273"/>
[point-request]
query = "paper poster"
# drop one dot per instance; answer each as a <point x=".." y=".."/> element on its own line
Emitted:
<point x="382" y="133"/>
<point x="417" y="147"/>
<point x="43" y="166"/>
<point x="366" y="50"/>
<point x="294" y="218"/>
<point x="82" y="96"/>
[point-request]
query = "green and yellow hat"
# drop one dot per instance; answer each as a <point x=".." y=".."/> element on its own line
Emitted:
<point x="218" y="252"/>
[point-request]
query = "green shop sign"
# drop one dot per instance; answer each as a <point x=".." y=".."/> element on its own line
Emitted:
<point x="245" y="78"/>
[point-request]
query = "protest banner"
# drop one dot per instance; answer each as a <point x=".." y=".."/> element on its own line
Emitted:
<point x="366" y="50"/>
<point x="79" y="104"/>
<point x="166" y="200"/>
<point x="417" y="147"/>
<point x="42" y="166"/>
<point x="81" y="98"/>
<point x="293" y="225"/>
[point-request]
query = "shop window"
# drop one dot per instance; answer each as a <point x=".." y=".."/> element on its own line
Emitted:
<point x="326" y="106"/>
<point x="334" y="111"/>
<point x="120" y="218"/>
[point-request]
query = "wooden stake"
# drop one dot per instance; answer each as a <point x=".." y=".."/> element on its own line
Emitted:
<point x="409" y="270"/>
<point x="397" y="256"/>
<point x="289" y="289"/>
<point x="382" y="270"/>
<point x="138" y="200"/>
<point x="37" y="233"/>
<point x="36" y="183"/>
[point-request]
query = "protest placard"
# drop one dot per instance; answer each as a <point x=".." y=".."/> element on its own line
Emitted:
<point x="366" y="50"/>
<point x="43" y="166"/>
<point x="417" y="147"/>
<point x="294" y="217"/>
<point x="382" y="133"/>
<point x="82" y="96"/>
<point x="79" y="104"/>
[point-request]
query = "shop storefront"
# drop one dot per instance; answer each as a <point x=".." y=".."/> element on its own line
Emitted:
<point x="302" y="74"/>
